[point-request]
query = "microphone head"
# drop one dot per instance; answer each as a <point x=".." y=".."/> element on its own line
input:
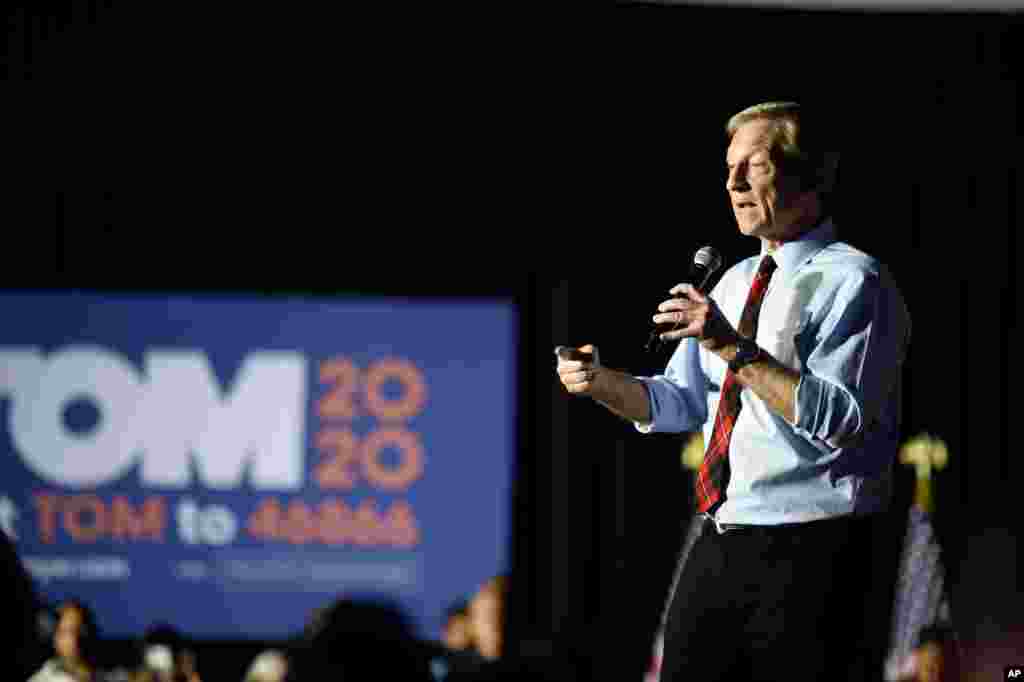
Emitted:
<point x="708" y="258"/>
<point x="706" y="261"/>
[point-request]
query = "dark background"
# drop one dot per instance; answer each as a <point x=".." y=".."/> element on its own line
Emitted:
<point x="575" y="162"/>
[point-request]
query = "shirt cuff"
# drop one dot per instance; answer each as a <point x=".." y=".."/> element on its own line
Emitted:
<point x="652" y="398"/>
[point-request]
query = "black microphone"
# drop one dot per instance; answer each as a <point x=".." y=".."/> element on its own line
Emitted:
<point x="706" y="262"/>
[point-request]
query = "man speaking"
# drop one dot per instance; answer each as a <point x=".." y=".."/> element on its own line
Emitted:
<point x="792" y="366"/>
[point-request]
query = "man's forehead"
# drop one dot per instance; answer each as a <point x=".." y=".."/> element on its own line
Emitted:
<point x="752" y="136"/>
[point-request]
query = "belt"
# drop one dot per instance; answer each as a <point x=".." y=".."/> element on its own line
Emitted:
<point x="779" y="527"/>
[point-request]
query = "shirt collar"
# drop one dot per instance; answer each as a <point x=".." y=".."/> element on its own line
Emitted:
<point x="791" y="254"/>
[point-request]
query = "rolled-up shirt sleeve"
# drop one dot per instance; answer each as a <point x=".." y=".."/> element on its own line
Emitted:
<point x="678" y="397"/>
<point x="851" y="360"/>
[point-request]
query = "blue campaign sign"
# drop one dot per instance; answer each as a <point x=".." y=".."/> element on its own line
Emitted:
<point x="229" y="465"/>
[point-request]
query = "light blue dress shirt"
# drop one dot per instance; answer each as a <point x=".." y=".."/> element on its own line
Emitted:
<point x="833" y="314"/>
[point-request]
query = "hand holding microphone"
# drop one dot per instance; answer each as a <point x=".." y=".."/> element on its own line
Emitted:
<point x="678" y="315"/>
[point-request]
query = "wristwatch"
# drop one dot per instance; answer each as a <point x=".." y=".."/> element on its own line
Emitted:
<point x="746" y="352"/>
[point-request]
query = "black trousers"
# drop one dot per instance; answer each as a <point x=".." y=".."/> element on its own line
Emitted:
<point x="793" y="603"/>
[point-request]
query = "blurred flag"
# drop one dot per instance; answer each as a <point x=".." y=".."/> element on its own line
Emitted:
<point x="653" y="673"/>
<point x="691" y="456"/>
<point x="922" y="622"/>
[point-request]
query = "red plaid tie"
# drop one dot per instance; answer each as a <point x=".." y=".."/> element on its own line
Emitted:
<point x="713" y="475"/>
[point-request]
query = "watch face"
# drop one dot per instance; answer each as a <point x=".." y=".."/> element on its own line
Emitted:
<point x="746" y="352"/>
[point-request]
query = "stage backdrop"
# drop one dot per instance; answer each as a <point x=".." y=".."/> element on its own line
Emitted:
<point x="230" y="465"/>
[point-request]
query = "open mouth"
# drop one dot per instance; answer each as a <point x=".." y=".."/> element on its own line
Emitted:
<point x="745" y="204"/>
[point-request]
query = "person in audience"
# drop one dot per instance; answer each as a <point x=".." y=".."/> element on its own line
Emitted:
<point x="456" y="632"/>
<point x="188" y="668"/>
<point x="270" y="666"/>
<point x="165" y="656"/>
<point x="487" y="617"/>
<point x="491" y="659"/>
<point x="74" y="640"/>
<point x="361" y="639"/>
<point x="457" y="653"/>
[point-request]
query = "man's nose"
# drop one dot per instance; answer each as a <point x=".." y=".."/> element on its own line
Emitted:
<point x="736" y="180"/>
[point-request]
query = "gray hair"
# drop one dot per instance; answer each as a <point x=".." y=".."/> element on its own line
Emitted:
<point x="805" y="146"/>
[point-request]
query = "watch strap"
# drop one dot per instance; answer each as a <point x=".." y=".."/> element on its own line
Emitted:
<point x="746" y="352"/>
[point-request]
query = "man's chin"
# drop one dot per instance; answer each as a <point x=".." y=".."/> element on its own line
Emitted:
<point x="751" y="228"/>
